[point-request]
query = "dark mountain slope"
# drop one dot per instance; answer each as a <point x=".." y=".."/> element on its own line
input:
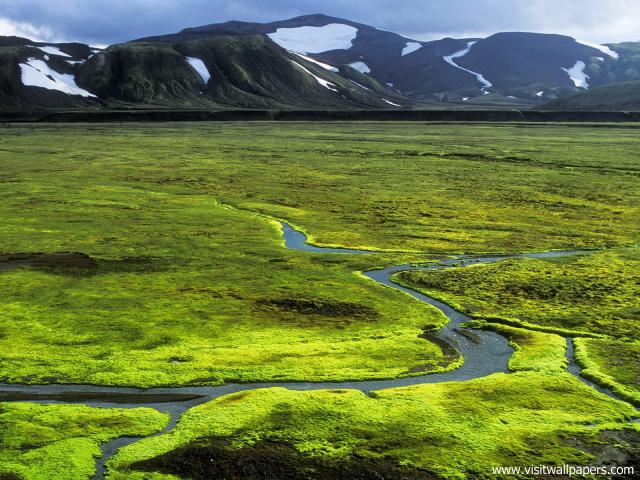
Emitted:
<point x="309" y="62"/>
<point x="246" y="71"/>
<point x="221" y="71"/>
<point x="25" y="65"/>
<point x="379" y="53"/>
<point x="425" y="72"/>
<point x="516" y="60"/>
<point x="140" y="73"/>
<point x="529" y="66"/>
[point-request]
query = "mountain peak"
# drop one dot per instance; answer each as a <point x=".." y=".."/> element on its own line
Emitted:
<point x="318" y="60"/>
<point x="314" y="17"/>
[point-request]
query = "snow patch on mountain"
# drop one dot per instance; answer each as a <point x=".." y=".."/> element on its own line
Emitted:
<point x="325" y="83"/>
<point x="36" y="73"/>
<point x="51" y="50"/>
<point x="603" y="48"/>
<point x="410" y="48"/>
<point x="361" y="67"/>
<point x="199" y="66"/>
<point x="390" y="102"/>
<point x="361" y="86"/>
<point x="577" y="75"/>
<point x="461" y="53"/>
<point x="335" y="36"/>
<point x="323" y="65"/>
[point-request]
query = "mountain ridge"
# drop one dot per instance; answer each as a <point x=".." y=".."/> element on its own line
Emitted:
<point x="310" y="61"/>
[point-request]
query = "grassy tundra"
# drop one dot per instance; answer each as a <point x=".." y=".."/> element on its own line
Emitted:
<point x="179" y="277"/>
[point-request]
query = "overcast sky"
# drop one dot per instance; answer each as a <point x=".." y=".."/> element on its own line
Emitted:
<point x="109" y="21"/>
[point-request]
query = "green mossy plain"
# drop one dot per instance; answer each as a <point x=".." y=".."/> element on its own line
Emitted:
<point x="538" y="415"/>
<point x="181" y="291"/>
<point x="452" y="188"/>
<point x="191" y="287"/>
<point x="596" y="293"/>
<point x="613" y="364"/>
<point x="453" y="430"/>
<point x="144" y="200"/>
<point x="46" y="442"/>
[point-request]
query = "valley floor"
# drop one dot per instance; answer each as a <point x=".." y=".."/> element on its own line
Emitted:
<point x="178" y="276"/>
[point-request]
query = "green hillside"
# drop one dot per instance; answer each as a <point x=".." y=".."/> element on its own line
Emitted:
<point x="618" y="97"/>
<point x="606" y="70"/>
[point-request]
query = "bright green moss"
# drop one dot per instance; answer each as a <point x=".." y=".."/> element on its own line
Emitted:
<point x="183" y="286"/>
<point x="451" y="429"/>
<point x="206" y="324"/>
<point x="407" y="186"/>
<point x="613" y="364"/>
<point x="44" y="442"/>
<point x="189" y="291"/>
<point x="595" y="293"/>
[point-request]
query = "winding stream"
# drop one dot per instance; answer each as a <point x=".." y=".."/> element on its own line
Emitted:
<point x="483" y="352"/>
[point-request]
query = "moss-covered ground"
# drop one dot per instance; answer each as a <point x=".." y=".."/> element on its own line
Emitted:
<point x="185" y="290"/>
<point x="408" y="186"/>
<point x="234" y="305"/>
<point x="188" y="291"/>
<point x="450" y="430"/>
<point x="46" y="442"/>
<point x="187" y="285"/>
<point x="539" y="415"/>
<point x="592" y="295"/>
<point x="613" y="364"/>
<point x="595" y="293"/>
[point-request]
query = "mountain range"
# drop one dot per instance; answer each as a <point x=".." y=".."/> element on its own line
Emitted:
<point x="320" y="62"/>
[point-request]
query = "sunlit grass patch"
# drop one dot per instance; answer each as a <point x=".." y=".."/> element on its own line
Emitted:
<point x="39" y="442"/>
<point x="520" y="418"/>
<point x="595" y="293"/>
<point x="612" y="363"/>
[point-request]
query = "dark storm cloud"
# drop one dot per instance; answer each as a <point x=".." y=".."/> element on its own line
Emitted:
<point x="109" y="21"/>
